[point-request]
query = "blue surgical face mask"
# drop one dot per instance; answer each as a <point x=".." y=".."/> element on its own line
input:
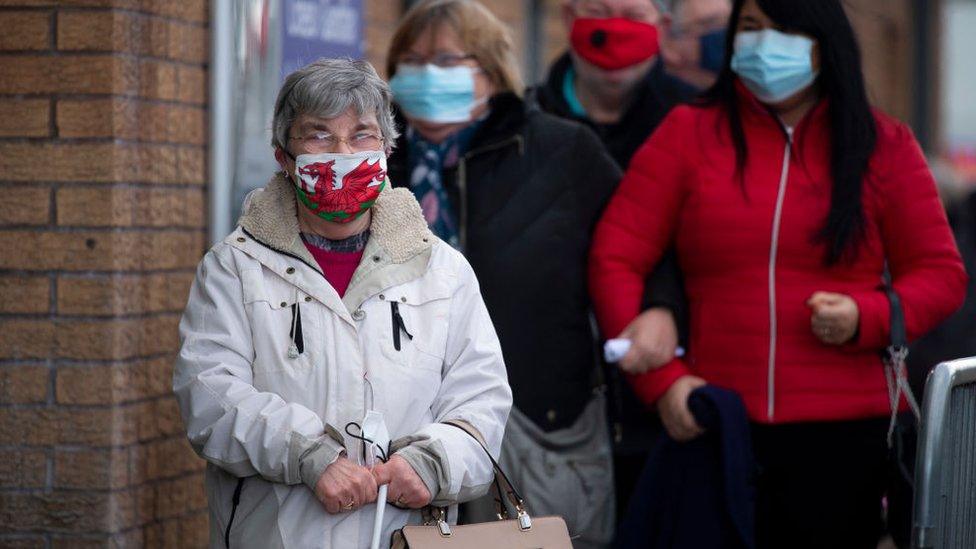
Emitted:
<point x="712" y="50"/>
<point x="772" y="64"/>
<point x="435" y="94"/>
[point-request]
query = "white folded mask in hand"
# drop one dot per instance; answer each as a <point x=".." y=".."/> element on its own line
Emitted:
<point x="616" y="349"/>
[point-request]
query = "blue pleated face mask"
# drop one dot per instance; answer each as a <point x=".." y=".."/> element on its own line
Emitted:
<point x="772" y="64"/>
<point x="435" y="94"/>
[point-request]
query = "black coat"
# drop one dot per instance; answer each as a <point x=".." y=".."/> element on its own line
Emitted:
<point x="653" y="99"/>
<point x="527" y="195"/>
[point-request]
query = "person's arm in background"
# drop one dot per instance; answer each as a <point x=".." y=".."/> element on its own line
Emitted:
<point x="926" y="268"/>
<point x="654" y="333"/>
<point x="635" y="231"/>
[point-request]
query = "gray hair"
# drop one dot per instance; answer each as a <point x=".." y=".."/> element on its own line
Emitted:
<point x="327" y="88"/>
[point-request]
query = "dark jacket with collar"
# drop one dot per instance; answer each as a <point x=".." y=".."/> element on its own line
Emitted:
<point x="653" y="99"/>
<point x="527" y="194"/>
<point x="699" y="493"/>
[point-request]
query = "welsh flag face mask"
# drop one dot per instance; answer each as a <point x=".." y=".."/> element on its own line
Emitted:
<point x="340" y="187"/>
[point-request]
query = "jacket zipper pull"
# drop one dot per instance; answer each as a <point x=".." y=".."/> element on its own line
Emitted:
<point x="398" y="325"/>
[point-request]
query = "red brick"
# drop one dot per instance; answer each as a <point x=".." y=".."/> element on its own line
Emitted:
<point x="117" y="339"/>
<point x="129" y="206"/>
<point x="22" y="468"/>
<point x="168" y="419"/>
<point x="114" y="383"/>
<point x="195" y="529"/>
<point x="131" y="119"/>
<point x="88" y="541"/>
<point x="171" y="457"/>
<point x="131" y="33"/>
<point x="49" y="250"/>
<point x="177" y="497"/>
<point x="24" y="383"/>
<point x="193" y="84"/>
<point x="164" y="534"/>
<point x="89" y="162"/>
<point x="21" y="339"/>
<point x="93" y="469"/>
<point x="72" y="511"/>
<point x="25" y="30"/>
<point x="25" y="117"/>
<point x="24" y="294"/>
<point x="123" y="294"/>
<point x="189" y="43"/>
<point x="96" y="427"/>
<point x="33" y="74"/>
<point x="22" y="205"/>
<point x="23" y="542"/>
<point x="105" y="74"/>
<point x="193" y="165"/>
<point x="157" y="80"/>
<point x="28" y="426"/>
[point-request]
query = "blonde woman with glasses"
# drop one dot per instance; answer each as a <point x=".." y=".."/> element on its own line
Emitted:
<point x="517" y="191"/>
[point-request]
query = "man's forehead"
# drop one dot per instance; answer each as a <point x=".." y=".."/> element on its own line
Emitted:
<point x="619" y="4"/>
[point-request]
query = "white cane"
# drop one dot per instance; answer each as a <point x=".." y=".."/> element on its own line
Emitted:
<point x="374" y="429"/>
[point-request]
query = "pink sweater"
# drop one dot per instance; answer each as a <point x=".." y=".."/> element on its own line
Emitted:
<point x="337" y="266"/>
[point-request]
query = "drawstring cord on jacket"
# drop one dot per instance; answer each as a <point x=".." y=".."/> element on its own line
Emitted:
<point x="293" y="348"/>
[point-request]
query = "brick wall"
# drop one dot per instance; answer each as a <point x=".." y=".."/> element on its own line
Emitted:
<point x="102" y="216"/>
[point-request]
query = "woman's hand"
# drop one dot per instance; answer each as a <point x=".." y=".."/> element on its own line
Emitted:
<point x="673" y="406"/>
<point x="835" y="317"/>
<point x="406" y="489"/>
<point x="345" y="486"/>
<point x="653" y="339"/>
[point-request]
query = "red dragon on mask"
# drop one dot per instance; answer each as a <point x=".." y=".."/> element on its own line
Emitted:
<point x="340" y="202"/>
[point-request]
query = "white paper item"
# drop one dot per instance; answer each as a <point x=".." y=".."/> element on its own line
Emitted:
<point x="616" y="349"/>
<point x="374" y="428"/>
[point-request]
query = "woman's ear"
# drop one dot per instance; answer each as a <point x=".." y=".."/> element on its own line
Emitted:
<point x="282" y="159"/>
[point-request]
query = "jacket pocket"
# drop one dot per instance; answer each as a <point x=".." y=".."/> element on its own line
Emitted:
<point x="281" y="321"/>
<point x="415" y="326"/>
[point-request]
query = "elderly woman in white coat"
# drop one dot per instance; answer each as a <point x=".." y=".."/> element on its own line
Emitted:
<point x="332" y="299"/>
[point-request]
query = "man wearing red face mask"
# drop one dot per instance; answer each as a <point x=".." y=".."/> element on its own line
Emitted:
<point x="614" y="80"/>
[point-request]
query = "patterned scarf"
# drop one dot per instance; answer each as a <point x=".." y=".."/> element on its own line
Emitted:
<point x="355" y="243"/>
<point x="427" y="163"/>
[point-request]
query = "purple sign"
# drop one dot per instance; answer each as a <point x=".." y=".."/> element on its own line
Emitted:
<point x="320" y="28"/>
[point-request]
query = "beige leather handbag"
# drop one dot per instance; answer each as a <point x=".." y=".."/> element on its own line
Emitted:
<point x="521" y="532"/>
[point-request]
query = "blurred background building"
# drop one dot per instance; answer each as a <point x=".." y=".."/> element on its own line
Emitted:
<point x="124" y="151"/>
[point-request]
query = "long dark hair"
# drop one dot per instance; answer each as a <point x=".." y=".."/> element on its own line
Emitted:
<point x="853" y="131"/>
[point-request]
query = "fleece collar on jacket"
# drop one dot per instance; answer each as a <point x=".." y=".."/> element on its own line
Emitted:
<point x="398" y="225"/>
<point x="398" y="248"/>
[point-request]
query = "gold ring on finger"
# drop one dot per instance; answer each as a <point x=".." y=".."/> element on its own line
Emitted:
<point x="349" y="505"/>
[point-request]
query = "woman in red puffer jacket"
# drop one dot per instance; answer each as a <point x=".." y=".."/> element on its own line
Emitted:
<point x="785" y="195"/>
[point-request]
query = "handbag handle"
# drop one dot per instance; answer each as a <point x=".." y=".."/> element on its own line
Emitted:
<point x="896" y="371"/>
<point x="501" y="481"/>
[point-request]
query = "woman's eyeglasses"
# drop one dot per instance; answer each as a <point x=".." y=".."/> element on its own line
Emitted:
<point x="319" y="142"/>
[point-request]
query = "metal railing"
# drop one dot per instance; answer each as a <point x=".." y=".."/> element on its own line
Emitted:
<point x="945" y="472"/>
